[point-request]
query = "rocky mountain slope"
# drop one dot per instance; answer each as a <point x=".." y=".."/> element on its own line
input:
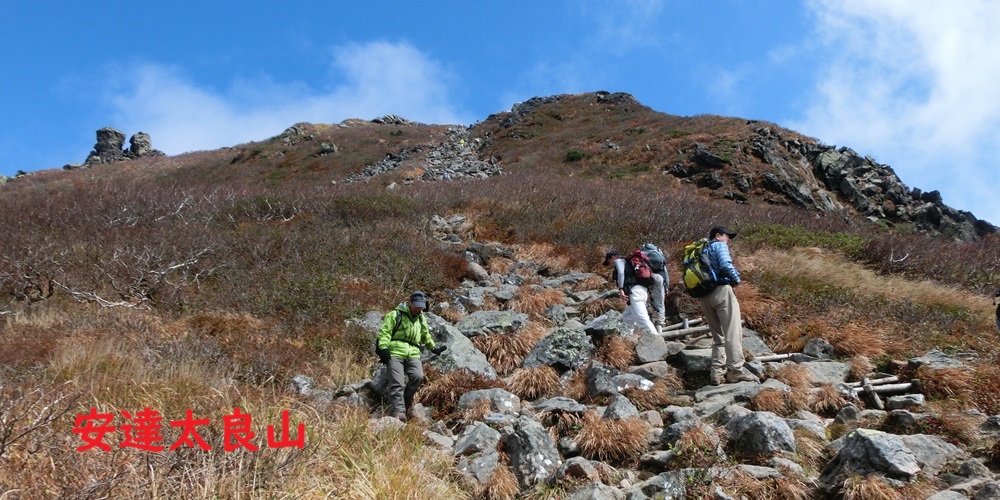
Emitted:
<point x="253" y="275"/>
<point x="600" y="412"/>
<point x="745" y="161"/>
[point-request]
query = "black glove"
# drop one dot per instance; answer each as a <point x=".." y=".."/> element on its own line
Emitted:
<point x="439" y="349"/>
<point x="383" y="356"/>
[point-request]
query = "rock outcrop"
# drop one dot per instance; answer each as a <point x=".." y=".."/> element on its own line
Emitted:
<point x="110" y="148"/>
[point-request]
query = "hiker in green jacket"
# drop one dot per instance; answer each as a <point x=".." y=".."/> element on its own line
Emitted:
<point x="402" y="335"/>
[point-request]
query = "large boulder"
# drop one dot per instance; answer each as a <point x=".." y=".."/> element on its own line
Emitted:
<point x="491" y="323"/>
<point x="476" y="438"/>
<point x="500" y="401"/>
<point x="533" y="454"/>
<point x="563" y="349"/>
<point x="760" y="433"/>
<point x="461" y="352"/>
<point x="866" y="451"/>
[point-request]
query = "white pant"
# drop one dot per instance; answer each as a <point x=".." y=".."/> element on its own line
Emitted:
<point x="635" y="314"/>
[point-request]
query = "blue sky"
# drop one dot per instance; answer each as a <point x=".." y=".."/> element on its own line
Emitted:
<point x="911" y="83"/>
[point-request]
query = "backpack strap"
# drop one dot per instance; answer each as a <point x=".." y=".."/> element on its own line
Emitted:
<point x="399" y="322"/>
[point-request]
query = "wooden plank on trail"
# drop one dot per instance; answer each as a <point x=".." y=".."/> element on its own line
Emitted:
<point x="878" y="381"/>
<point x="772" y="357"/>
<point x="903" y="387"/>
<point x="684" y="324"/>
<point x="684" y="333"/>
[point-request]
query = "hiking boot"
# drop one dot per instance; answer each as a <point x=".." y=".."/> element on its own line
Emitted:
<point x="401" y="417"/>
<point x="734" y="377"/>
<point x="716" y="380"/>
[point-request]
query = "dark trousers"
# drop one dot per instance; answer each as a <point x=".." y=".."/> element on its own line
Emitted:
<point x="400" y="399"/>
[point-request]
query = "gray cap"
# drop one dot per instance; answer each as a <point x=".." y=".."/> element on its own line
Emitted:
<point x="418" y="299"/>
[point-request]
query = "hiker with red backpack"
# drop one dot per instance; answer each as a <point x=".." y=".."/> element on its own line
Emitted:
<point x="634" y="279"/>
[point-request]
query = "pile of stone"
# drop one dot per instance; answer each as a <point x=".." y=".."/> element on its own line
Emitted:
<point x="453" y="158"/>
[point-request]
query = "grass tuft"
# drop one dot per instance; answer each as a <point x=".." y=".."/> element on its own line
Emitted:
<point x="501" y="484"/>
<point x="611" y="440"/>
<point x="654" y="398"/>
<point x="616" y="351"/>
<point x="506" y="351"/>
<point x="532" y="383"/>
<point x="443" y="391"/>
<point x="825" y="400"/>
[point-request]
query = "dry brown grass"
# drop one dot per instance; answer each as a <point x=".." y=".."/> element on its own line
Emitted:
<point x="595" y="308"/>
<point x="861" y="367"/>
<point x="740" y="484"/>
<point x="344" y="456"/>
<point x="451" y="314"/>
<point x="535" y="300"/>
<point x="532" y="383"/>
<point x="798" y="379"/>
<point x="810" y="450"/>
<point x="696" y="448"/>
<point x="859" y="340"/>
<point x="759" y="312"/>
<point x="506" y="351"/>
<point x="476" y="411"/>
<point x="987" y="397"/>
<point x="835" y="270"/>
<point x="576" y="385"/>
<point x="547" y="255"/>
<point x="560" y="423"/>
<point x="825" y="400"/>
<point x="589" y="283"/>
<point x="869" y="487"/>
<point x="946" y="383"/>
<point x="500" y="265"/>
<point x="960" y="428"/>
<point x="795" y="376"/>
<point x="616" y="351"/>
<point x="771" y="400"/>
<point x="502" y="483"/>
<point x="611" y="440"/>
<point x="443" y="391"/>
<point x="654" y="398"/>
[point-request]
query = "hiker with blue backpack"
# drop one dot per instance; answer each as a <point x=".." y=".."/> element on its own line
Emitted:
<point x="634" y="279"/>
<point x="721" y="310"/>
<point x="403" y="334"/>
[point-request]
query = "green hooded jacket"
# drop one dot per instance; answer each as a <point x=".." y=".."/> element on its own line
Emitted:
<point x="411" y="334"/>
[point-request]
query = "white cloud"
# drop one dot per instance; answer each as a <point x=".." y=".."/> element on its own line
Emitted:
<point x="624" y="25"/>
<point x="913" y="83"/>
<point x="372" y="80"/>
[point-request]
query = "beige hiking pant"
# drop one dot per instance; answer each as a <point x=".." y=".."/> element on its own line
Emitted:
<point x="722" y="313"/>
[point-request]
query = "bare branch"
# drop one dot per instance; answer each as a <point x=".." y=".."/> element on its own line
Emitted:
<point x="894" y="260"/>
<point x="22" y="414"/>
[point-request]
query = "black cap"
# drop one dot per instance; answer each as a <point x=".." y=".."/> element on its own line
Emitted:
<point x="721" y="230"/>
<point x="418" y="299"/>
<point x="607" y="257"/>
